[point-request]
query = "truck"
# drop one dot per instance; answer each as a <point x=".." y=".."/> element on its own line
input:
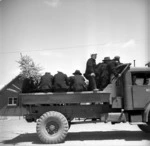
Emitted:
<point x="125" y="99"/>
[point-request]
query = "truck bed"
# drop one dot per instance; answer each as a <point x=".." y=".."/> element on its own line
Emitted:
<point x="63" y="98"/>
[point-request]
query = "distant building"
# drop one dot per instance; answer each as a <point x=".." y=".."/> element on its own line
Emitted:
<point x="9" y="98"/>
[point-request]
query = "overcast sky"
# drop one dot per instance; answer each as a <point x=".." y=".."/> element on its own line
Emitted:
<point x="61" y="34"/>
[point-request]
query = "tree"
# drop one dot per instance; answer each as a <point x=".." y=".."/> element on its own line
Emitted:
<point x="29" y="69"/>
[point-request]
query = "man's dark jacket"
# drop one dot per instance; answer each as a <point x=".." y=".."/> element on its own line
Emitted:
<point x="78" y="83"/>
<point x="112" y="68"/>
<point x="46" y="82"/>
<point x="61" y="82"/>
<point x="90" y="67"/>
<point x="103" y="76"/>
<point x="28" y="85"/>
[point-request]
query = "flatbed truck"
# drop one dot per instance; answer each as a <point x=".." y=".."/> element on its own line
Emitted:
<point x="121" y="101"/>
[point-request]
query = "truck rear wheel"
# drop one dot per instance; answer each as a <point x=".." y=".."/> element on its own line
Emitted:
<point x="52" y="127"/>
<point x="145" y="128"/>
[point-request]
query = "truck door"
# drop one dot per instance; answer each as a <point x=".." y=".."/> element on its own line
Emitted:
<point x="140" y="90"/>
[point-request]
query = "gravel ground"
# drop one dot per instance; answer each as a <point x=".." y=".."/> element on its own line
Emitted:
<point x="15" y="131"/>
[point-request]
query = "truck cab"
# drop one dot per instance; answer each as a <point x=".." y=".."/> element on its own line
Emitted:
<point x="137" y="82"/>
<point x="131" y="93"/>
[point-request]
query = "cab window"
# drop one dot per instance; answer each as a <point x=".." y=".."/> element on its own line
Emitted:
<point x="140" y="79"/>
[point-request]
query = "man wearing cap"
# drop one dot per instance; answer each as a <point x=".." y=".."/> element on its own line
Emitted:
<point x="117" y="60"/>
<point x="103" y="73"/>
<point x="77" y="82"/>
<point x="112" y="67"/>
<point x="90" y="72"/>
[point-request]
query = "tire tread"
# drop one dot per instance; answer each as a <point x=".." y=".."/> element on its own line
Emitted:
<point x="39" y="128"/>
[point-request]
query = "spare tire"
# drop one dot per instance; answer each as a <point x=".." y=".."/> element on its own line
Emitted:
<point x="52" y="127"/>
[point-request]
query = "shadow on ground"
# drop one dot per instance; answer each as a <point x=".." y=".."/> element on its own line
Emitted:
<point x="81" y="136"/>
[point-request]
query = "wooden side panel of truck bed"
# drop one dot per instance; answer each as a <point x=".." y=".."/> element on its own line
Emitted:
<point x="62" y="98"/>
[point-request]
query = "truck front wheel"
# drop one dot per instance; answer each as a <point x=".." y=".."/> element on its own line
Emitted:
<point x="52" y="127"/>
<point x="145" y="128"/>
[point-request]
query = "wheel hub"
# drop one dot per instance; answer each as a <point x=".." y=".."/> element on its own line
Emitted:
<point x="52" y="127"/>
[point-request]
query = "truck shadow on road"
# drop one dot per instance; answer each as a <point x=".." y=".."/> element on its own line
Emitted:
<point x="81" y="136"/>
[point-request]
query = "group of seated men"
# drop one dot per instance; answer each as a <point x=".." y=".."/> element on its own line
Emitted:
<point x="60" y="82"/>
<point x="99" y="77"/>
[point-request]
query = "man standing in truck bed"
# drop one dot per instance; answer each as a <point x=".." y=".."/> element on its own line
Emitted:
<point x="103" y="76"/>
<point x="90" y="72"/>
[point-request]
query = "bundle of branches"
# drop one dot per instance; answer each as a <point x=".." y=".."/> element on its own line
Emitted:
<point x="29" y="69"/>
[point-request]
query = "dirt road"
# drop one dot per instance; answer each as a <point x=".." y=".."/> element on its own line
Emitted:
<point x="20" y="133"/>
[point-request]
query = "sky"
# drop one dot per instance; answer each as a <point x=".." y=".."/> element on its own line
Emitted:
<point x="60" y="35"/>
